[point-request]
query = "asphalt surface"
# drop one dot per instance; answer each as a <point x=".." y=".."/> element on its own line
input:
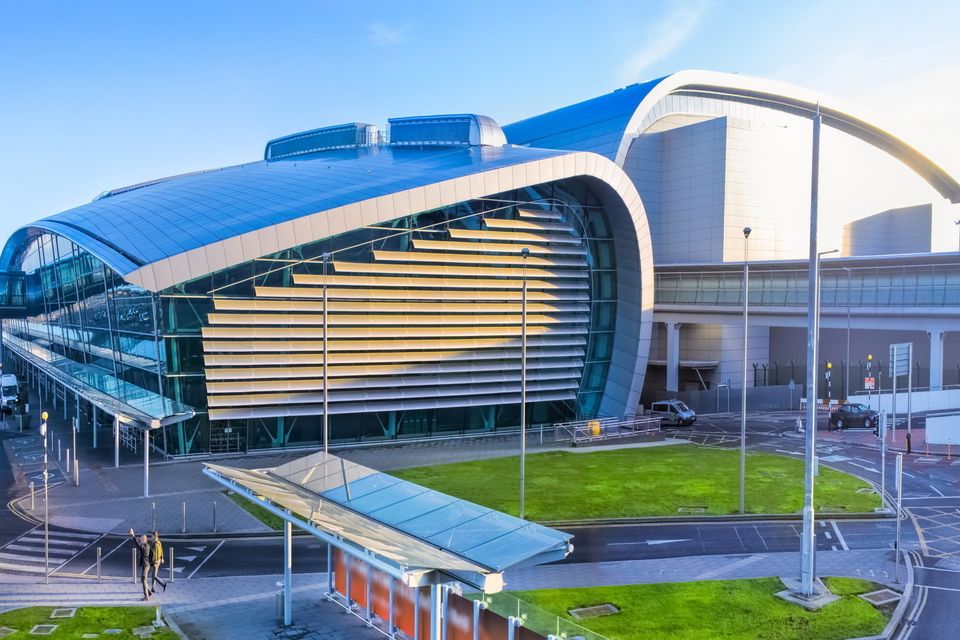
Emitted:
<point x="10" y="526"/>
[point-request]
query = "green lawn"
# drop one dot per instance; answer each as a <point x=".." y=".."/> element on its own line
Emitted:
<point x="271" y="520"/>
<point x="734" y="609"/>
<point x="87" y="620"/>
<point x="645" y="481"/>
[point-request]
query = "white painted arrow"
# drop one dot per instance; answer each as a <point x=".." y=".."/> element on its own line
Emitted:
<point x="196" y="548"/>
<point x="649" y="542"/>
<point x="177" y="569"/>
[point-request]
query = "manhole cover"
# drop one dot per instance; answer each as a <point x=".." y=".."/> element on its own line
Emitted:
<point x="865" y="490"/>
<point x="86" y="636"/>
<point x="881" y="597"/>
<point x="63" y="613"/>
<point x="691" y="509"/>
<point x="113" y="631"/>
<point x="5" y="631"/>
<point x="826" y="509"/>
<point x="594" y="612"/>
<point x="43" y="629"/>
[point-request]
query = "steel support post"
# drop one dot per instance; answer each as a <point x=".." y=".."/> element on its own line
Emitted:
<point x="287" y="573"/>
<point x="146" y="463"/>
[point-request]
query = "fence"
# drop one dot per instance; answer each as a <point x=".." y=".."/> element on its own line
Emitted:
<point x="727" y="399"/>
<point x="533" y="618"/>
<point x="600" y="429"/>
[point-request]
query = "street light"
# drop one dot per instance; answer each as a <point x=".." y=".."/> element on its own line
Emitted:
<point x="46" y="504"/>
<point x="326" y="418"/>
<point x="846" y="371"/>
<point x="525" y="253"/>
<point x="743" y="393"/>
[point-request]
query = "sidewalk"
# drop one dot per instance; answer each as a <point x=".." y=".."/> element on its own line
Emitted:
<point x="239" y="607"/>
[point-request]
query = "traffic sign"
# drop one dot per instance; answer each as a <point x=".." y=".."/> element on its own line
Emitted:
<point x="900" y="356"/>
<point x="870" y="383"/>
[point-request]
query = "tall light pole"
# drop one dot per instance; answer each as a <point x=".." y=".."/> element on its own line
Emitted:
<point x="808" y="546"/>
<point x="46" y="504"/>
<point x="846" y="370"/>
<point x="743" y="392"/>
<point x="525" y="252"/>
<point x="326" y="394"/>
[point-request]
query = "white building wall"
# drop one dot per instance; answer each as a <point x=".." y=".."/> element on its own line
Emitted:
<point x="731" y="353"/>
<point x="901" y="230"/>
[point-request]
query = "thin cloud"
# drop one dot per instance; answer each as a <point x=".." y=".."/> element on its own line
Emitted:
<point x="681" y="18"/>
<point x="382" y="34"/>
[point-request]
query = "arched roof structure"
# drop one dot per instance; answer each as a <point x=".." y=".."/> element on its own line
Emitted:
<point x="609" y="123"/>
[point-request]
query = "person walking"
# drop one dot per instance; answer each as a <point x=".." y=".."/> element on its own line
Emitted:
<point x="143" y="561"/>
<point x="156" y="560"/>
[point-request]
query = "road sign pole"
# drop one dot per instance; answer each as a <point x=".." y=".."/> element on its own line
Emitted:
<point x="896" y="575"/>
<point x="893" y="378"/>
<point x="883" y="459"/>
<point x="909" y="388"/>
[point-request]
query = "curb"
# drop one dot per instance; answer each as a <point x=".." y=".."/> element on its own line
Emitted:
<point x="707" y="519"/>
<point x="898" y="613"/>
<point x="172" y="624"/>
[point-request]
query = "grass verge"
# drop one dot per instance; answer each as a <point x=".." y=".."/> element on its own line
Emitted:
<point x="275" y="522"/>
<point x="87" y="620"/>
<point x="646" y="481"/>
<point x="729" y="609"/>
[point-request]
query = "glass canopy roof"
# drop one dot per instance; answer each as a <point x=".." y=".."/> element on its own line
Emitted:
<point x="111" y="394"/>
<point x="412" y="525"/>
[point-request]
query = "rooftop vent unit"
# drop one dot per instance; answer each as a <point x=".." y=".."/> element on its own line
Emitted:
<point x="342" y="136"/>
<point x="446" y="130"/>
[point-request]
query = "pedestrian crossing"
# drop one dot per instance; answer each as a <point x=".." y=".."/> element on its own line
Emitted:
<point x="25" y="554"/>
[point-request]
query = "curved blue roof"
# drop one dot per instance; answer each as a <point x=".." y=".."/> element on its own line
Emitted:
<point x="593" y="125"/>
<point x="142" y="225"/>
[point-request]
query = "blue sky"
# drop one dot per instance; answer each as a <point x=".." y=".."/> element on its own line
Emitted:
<point x="97" y="95"/>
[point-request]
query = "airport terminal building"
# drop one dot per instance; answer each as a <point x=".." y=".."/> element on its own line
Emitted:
<point x="405" y="267"/>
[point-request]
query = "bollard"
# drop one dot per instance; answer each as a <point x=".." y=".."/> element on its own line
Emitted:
<point x="76" y="472"/>
<point x="33" y="504"/>
<point x="183" y="510"/>
<point x="133" y="564"/>
<point x="59" y="457"/>
<point x="99" y="578"/>
<point x="171" y="564"/>
<point x="153" y="515"/>
<point x="214" y="516"/>
<point x="69" y="460"/>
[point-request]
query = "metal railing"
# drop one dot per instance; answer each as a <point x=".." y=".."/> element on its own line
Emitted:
<point x="600" y="429"/>
<point x="534" y="618"/>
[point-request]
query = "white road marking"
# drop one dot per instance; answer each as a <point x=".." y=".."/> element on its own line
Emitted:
<point x="937" y="491"/>
<point x="930" y="586"/>
<point x="829" y="537"/>
<point x="836" y="529"/>
<point x="648" y="542"/>
<point x="205" y="559"/>
<point x="102" y="558"/>
<point x="870" y="469"/>
<point x="938" y="569"/>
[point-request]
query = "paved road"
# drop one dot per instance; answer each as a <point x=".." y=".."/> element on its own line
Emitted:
<point x="10" y="526"/>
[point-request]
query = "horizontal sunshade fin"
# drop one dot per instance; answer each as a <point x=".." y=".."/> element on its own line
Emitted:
<point x="334" y="319"/>
<point x="432" y="283"/>
<point x="540" y="215"/>
<point x="496" y="247"/>
<point x="294" y="359"/>
<point x="238" y="304"/>
<point x="454" y="258"/>
<point x="379" y="382"/>
<point x="394" y="405"/>
<point x="281" y="346"/>
<point x="404" y="294"/>
<point x="338" y="332"/>
<point x="526" y="225"/>
<point x="518" y="236"/>
<point x="392" y="369"/>
<point x="402" y="393"/>
<point x="455" y="270"/>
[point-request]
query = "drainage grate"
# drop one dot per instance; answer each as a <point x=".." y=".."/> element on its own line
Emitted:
<point x="694" y="509"/>
<point x="63" y="613"/>
<point x="881" y="597"/>
<point x="6" y="631"/>
<point x="43" y="629"/>
<point x="595" y="611"/>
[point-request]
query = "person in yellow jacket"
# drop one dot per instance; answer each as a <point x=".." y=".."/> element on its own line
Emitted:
<point x="156" y="560"/>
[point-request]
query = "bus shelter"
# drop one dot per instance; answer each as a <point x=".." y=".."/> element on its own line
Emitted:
<point x="396" y="549"/>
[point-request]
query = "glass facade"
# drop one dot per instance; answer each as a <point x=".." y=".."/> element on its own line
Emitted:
<point x="237" y="376"/>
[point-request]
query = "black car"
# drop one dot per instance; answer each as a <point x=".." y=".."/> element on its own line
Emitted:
<point x="853" y="415"/>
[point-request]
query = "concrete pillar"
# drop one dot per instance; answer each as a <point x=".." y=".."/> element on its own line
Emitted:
<point x="287" y="573"/>
<point x="673" y="356"/>
<point x="936" y="359"/>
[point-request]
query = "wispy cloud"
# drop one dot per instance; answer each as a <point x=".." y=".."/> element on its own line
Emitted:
<point x="382" y="34"/>
<point x="664" y="37"/>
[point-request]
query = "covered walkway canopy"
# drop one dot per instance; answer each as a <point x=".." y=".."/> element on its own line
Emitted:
<point x="417" y="535"/>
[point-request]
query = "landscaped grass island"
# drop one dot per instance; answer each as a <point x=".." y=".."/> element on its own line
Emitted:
<point x="666" y="480"/>
<point x="86" y="620"/>
<point x="709" y="610"/>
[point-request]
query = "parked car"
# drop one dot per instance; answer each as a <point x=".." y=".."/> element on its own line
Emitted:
<point x="673" y="412"/>
<point x="853" y="415"/>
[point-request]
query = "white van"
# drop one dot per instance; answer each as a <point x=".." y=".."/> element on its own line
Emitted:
<point x="673" y="412"/>
<point x="8" y="392"/>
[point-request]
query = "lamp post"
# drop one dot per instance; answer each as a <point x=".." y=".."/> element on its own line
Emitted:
<point x="525" y="252"/>
<point x="846" y="370"/>
<point x="326" y="393"/>
<point x="743" y="392"/>
<point x="46" y="504"/>
<point x="869" y="375"/>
